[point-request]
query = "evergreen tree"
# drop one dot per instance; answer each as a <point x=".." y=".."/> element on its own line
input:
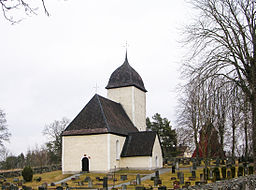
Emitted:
<point x="167" y="135"/>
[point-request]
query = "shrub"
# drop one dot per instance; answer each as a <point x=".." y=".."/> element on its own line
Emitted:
<point x="224" y="172"/>
<point x="27" y="173"/>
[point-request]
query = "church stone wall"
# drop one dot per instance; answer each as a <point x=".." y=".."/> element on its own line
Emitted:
<point x="74" y="148"/>
<point x="133" y="101"/>
<point x="157" y="158"/>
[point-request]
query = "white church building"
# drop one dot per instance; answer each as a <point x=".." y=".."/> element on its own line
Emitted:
<point x="110" y="133"/>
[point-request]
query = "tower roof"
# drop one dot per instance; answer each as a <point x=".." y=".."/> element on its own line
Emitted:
<point x="125" y="76"/>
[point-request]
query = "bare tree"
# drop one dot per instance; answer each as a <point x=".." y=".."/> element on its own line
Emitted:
<point x="4" y="133"/>
<point x="224" y="40"/>
<point x="13" y="10"/>
<point x="53" y="132"/>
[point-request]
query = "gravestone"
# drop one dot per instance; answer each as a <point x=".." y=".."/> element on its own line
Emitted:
<point x="15" y="180"/>
<point x="193" y="174"/>
<point x="90" y="183"/>
<point x="210" y="174"/>
<point x="194" y="166"/>
<point x="177" y="165"/>
<point x="246" y="171"/>
<point x="173" y="169"/>
<point x="181" y="178"/>
<point x="201" y="177"/>
<point x="124" y="187"/>
<point x="178" y="174"/>
<point x="187" y="184"/>
<point x="64" y="184"/>
<point x="157" y="174"/>
<point x="41" y="188"/>
<point x="59" y="188"/>
<point x="86" y="178"/>
<point x="229" y="174"/>
<point x="105" y="183"/>
<point x="217" y="162"/>
<point x="123" y="177"/>
<point x="138" y="179"/>
<point x="162" y="188"/>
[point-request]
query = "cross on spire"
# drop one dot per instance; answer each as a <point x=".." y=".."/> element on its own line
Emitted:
<point x="96" y="88"/>
<point x="126" y="46"/>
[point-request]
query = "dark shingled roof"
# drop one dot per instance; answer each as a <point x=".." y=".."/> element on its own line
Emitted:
<point x="124" y="76"/>
<point x="139" y="144"/>
<point x="100" y="115"/>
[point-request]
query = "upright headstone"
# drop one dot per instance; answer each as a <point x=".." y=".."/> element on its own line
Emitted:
<point x="194" y="166"/>
<point x="138" y="179"/>
<point x="177" y="165"/>
<point x="105" y="183"/>
<point x="181" y="178"/>
<point x="124" y="187"/>
<point x="173" y="169"/>
<point x="90" y="183"/>
<point x="201" y="177"/>
<point x="157" y="174"/>
<point x="193" y="174"/>
<point x="217" y="162"/>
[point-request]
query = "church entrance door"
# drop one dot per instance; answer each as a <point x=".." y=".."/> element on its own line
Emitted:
<point x="85" y="164"/>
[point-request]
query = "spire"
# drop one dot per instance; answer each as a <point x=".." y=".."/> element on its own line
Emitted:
<point x="126" y="59"/>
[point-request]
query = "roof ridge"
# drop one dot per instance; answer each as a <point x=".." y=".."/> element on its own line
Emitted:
<point x="103" y="114"/>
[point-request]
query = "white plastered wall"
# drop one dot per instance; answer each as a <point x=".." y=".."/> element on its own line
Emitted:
<point x="133" y="101"/>
<point x="157" y="153"/>
<point x="136" y="162"/>
<point x="145" y="162"/>
<point x="74" y="148"/>
<point x="114" y="162"/>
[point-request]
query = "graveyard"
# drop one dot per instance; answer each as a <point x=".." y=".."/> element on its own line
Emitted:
<point x="179" y="173"/>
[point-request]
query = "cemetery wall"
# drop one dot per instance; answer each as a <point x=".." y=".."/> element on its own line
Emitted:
<point x="72" y="157"/>
<point x="133" y="101"/>
<point x="36" y="170"/>
<point x="241" y="183"/>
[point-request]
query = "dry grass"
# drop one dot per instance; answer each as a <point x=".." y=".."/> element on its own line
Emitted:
<point x="46" y="178"/>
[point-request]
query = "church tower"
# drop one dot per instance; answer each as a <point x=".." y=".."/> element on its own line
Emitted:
<point x="126" y="87"/>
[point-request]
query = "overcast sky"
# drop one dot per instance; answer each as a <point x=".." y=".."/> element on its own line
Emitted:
<point x="50" y="65"/>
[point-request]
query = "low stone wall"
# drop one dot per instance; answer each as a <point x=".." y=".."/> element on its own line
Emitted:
<point x="241" y="183"/>
<point x="36" y="170"/>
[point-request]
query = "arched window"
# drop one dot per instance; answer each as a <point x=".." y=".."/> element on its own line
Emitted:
<point x="117" y="150"/>
<point x="156" y="160"/>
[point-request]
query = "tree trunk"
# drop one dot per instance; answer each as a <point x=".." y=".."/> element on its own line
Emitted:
<point x="254" y="131"/>
<point x="233" y="133"/>
<point x="246" y="129"/>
